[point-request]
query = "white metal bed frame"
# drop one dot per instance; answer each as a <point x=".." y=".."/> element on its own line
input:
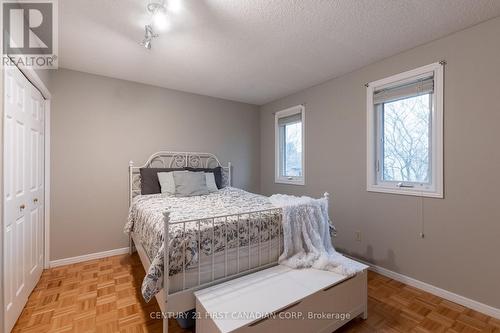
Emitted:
<point x="185" y="297"/>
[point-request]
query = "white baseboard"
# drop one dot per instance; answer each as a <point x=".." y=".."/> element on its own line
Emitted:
<point x="87" y="257"/>
<point x="448" y="295"/>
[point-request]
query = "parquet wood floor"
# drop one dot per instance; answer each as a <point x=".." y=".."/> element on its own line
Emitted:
<point x="104" y="296"/>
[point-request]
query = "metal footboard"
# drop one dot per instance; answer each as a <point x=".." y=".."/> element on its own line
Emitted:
<point x="248" y="219"/>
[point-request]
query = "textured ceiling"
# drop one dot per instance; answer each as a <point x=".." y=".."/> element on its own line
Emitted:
<point x="253" y="51"/>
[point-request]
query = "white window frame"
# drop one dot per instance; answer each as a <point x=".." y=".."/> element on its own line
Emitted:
<point x="435" y="188"/>
<point x="278" y="178"/>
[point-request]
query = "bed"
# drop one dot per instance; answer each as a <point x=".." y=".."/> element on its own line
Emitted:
<point x="222" y="224"/>
<point x="211" y="238"/>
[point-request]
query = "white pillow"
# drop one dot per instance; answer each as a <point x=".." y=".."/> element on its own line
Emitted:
<point x="188" y="183"/>
<point x="211" y="185"/>
<point x="167" y="183"/>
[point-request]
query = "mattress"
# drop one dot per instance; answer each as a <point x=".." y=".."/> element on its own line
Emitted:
<point x="248" y="219"/>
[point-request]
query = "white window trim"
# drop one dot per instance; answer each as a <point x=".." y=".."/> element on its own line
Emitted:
<point x="280" y="114"/>
<point x="437" y="135"/>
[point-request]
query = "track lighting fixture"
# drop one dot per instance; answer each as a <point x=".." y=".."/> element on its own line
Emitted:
<point x="148" y="36"/>
<point x="158" y="12"/>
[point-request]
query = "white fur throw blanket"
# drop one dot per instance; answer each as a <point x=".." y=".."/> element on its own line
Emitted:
<point x="306" y="236"/>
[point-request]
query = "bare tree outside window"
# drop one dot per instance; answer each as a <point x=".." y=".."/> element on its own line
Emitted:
<point x="293" y="149"/>
<point x="406" y="135"/>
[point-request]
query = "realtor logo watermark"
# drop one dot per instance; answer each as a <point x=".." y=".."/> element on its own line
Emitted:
<point x="30" y="33"/>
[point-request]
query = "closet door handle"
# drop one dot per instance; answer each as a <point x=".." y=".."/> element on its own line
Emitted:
<point x="35" y="200"/>
<point x="22" y="206"/>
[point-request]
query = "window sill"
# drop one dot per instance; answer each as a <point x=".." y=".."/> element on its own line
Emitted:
<point x="405" y="191"/>
<point x="300" y="182"/>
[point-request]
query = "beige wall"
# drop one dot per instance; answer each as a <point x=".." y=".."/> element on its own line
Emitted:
<point x="98" y="124"/>
<point x="44" y="75"/>
<point x="461" y="246"/>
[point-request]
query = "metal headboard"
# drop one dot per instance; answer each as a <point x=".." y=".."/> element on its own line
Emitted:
<point x="176" y="159"/>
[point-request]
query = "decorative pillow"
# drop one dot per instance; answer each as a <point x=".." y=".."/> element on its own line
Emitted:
<point x="189" y="184"/>
<point x="149" y="179"/>
<point x="211" y="185"/>
<point x="216" y="171"/>
<point x="167" y="183"/>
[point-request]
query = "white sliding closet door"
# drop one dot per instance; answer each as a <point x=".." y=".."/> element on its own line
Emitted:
<point x="23" y="191"/>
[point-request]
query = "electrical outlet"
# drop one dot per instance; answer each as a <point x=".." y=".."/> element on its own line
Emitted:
<point x="357" y="235"/>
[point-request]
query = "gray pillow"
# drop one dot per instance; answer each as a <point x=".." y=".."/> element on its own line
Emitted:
<point x="211" y="185"/>
<point x="167" y="183"/>
<point x="216" y="171"/>
<point x="190" y="183"/>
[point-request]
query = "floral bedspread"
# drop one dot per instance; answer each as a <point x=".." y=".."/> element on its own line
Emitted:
<point x="187" y="241"/>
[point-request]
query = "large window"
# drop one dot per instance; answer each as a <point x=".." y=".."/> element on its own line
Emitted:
<point x="289" y="136"/>
<point x="405" y="153"/>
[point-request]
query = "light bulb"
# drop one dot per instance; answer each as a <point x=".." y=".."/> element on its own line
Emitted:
<point x="160" y="20"/>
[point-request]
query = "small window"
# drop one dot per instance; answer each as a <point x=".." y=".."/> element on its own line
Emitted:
<point x="405" y="133"/>
<point x="289" y="136"/>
